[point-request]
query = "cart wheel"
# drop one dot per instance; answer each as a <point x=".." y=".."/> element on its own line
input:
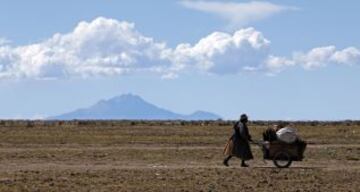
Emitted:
<point x="282" y="159"/>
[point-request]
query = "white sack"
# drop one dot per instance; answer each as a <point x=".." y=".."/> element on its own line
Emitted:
<point x="287" y="134"/>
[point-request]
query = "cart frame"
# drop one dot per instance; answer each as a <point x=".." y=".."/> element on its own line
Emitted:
<point x="283" y="154"/>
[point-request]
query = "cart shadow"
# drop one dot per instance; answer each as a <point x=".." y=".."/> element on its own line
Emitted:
<point x="297" y="167"/>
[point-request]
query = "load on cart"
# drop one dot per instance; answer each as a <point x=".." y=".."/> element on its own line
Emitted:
<point x="282" y="145"/>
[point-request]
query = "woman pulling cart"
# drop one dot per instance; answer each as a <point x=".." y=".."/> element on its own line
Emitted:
<point x="282" y="145"/>
<point x="238" y="144"/>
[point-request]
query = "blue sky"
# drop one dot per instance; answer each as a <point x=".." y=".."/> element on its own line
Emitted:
<point x="304" y="65"/>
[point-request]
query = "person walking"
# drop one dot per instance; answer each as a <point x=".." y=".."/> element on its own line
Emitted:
<point x="238" y="144"/>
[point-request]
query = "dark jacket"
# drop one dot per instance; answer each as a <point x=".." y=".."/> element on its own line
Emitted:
<point x="238" y="145"/>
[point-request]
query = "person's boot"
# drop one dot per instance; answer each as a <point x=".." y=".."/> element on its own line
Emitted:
<point x="243" y="164"/>
<point x="226" y="161"/>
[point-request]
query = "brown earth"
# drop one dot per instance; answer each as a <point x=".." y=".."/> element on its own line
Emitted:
<point x="145" y="157"/>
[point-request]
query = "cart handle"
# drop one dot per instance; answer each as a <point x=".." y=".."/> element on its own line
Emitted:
<point x="260" y="142"/>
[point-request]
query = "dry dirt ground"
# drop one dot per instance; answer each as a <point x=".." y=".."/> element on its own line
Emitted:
<point x="118" y="156"/>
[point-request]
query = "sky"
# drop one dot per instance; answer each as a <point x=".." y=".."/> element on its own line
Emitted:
<point x="274" y="60"/>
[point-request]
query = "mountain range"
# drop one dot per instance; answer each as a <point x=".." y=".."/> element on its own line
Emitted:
<point x="131" y="107"/>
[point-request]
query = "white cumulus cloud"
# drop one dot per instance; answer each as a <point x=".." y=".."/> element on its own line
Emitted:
<point x="101" y="47"/>
<point x="108" y="47"/>
<point x="315" y="58"/>
<point x="274" y="64"/>
<point x="223" y="53"/>
<point x="237" y="14"/>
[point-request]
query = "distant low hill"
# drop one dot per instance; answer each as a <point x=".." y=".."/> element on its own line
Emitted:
<point x="131" y="107"/>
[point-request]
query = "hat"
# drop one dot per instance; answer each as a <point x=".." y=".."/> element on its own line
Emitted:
<point x="243" y="117"/>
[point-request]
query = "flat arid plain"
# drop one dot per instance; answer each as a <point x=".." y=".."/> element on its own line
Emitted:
<point x="168" y="156"/>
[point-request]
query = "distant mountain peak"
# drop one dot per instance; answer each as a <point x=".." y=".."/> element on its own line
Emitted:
<point x="200" y="112"/>
<point x="126" y="98"/>
<point x="130" y="106"/>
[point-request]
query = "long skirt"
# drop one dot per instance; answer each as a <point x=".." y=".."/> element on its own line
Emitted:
<point x="236" y="147"/>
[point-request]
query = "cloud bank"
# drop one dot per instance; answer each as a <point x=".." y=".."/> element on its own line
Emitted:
<point x="315" y="58"/>
<point x="107" y="47"/>
<point x="237" y="14"/>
